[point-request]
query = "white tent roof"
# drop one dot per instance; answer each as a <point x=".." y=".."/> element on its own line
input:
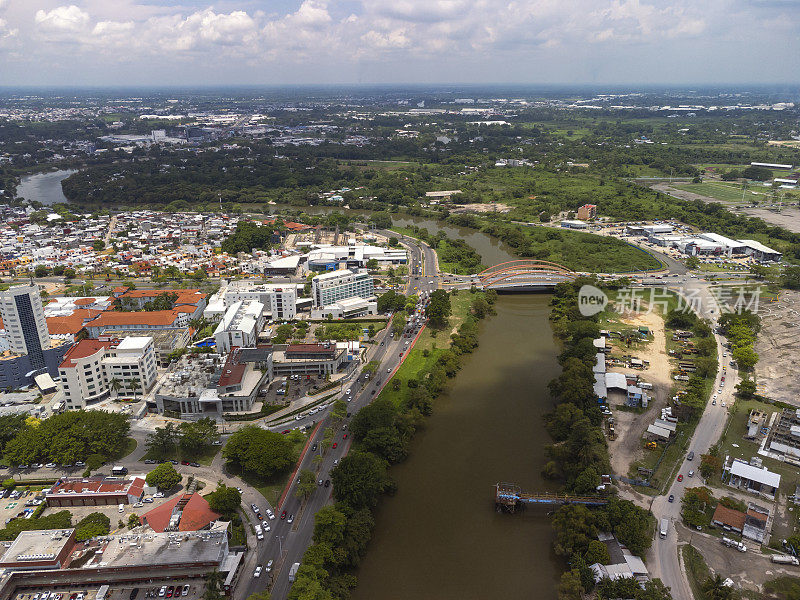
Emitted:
<point x="759" y="475"/>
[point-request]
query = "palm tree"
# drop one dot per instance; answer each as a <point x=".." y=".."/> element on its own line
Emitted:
<point x="115" y="385"/>
<point x="714" y="588"/>
<point x="134" y="385"/>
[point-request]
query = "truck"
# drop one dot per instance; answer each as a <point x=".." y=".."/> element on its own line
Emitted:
<point x="293" y="572"/>
<point x="785" y="559"/>
<point x="119" y="471"/>
<point x="734" y="544"/>
<point x="664" y="528"/>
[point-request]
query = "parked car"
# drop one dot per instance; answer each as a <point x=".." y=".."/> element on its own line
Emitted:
<point x="680" y="477"/>
<point x="257" y="572"/>
<point x="671" y="498"/>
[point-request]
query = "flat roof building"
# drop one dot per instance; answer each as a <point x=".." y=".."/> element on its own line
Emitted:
<point x="240" y="326"/>
<point x="329" y="288"/>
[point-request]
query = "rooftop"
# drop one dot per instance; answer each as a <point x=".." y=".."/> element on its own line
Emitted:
<point x="40" y="545"/>
<point x="196" y="514"/>
<point x="161" y="318"/>
<point x="83" y="349"/>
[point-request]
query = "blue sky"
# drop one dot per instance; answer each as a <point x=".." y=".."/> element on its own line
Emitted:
<point x="154" y="42"/>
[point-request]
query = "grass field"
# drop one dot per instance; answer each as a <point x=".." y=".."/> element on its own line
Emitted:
<point x="723" y="191"/>
<point x="697" y="570"/>
<point x="431" y="340"/>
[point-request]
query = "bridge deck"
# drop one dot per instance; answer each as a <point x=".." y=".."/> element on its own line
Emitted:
<point x="508" y="496"/>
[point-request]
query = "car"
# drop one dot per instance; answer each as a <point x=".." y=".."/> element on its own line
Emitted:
<point x="194" y="464"/>
<point x="23" y="467"/>
<point x="389" y="370"/>
<point x="161" y="593"/>
<point x="714" y="396"/>
<point x="349" y="391"/>
<point x="314" y="447"/>
<point x="344" y="437"/>
<point x="266" y="527"/>
<point x="723" y="403"/>
<point x="290" y="519"/>
<point x="149" y="461"/>
<point x="257" y="572"/>
<point x="334" y="445"/>
<point x="185" y="590"/>
<point x="185" y="463"/>
<point x="268" y="568"/>
<point x="37" y="466"/>
<point x="691" y="473"/>
<point x="147" y="500"/>
<point x="174" y="462"/>
<point x="51" y="465"/>
<point x="158" y="495"/>
<point x="690" y="456"/>
<point x="714" y="402"/>
<point x="327" y="482"/>
<point x="254" y="507"/>
<point x="285" y="431"/>
<point x="170" y="591"/>
<point x="671" y="498"/>
<point x="260" y="517"/>
<point x="283" y="515"/>
<point x="680" y="477"/>
<point x="319" y="482"/>
<point x="335" y="462"/>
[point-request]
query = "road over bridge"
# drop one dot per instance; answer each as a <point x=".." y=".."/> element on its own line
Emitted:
<point x="525" y="275"/>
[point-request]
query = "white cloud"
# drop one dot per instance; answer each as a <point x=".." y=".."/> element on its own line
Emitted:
<point x="62" y="20"/>
<point x="342" y="34"/>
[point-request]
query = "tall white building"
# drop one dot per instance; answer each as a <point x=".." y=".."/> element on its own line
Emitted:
<point x="90" y="367"/>
<point x="240" y="326"/>
<point x="24" y="321"/>
<point x="341" y="285"/>
<point x="280" y="299"/>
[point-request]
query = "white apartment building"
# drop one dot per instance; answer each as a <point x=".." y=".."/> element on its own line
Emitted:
<point x="330" y="288"/>
<point x="24" y="322"/>
<point x="279" y="299"/>
<point x="90" y="367"/>
<point x="240" y="326"/>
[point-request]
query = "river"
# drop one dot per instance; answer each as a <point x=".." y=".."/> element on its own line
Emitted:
<point x="439" y="538"/>
<point x="44" y="187"/>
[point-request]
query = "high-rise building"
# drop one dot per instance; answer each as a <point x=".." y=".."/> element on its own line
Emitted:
<point x="341" y="285"/>
<point x="25" y="324"/>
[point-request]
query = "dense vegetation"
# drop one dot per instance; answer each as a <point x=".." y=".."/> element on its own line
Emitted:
<point x="259" y="451"/>
<point x="92" y="436"/>
<point x="579" y="455"/>
<point x="382" y="432"/>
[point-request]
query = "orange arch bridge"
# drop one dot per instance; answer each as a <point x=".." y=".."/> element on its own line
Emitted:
<point x="524" y="275"/>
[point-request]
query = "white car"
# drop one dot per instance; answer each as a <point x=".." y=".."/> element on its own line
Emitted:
<point x="269" y="565"/>
<point x="158" y="495"/>
<point x="266" y="528"/>
<point x="389" y="370"/>
<point x="257" y="572"/>
<point x="270" y="514"/>
<point x="348" y="392"/>
<point x="723" y="403"/>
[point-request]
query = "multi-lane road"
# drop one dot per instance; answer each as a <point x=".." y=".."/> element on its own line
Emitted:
<point x="286" y="542"/>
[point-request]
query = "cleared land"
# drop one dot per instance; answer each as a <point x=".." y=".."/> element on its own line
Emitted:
<point x="778" y="345"/>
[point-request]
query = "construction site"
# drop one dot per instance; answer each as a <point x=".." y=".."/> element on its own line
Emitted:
<point x="778" y="345"/>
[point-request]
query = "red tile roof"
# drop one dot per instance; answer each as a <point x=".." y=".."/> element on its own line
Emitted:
<point x="196" y="514"/>
<point x="82" y="349"/>
<point x="729" y="516"/>
<point x="71" y="323"/>
<point x="84" y="301"/>
<point x="116" y="319"/>
<point x="310" y="348"/>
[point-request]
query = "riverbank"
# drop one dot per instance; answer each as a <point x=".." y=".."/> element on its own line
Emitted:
<point x="382" y="433"/>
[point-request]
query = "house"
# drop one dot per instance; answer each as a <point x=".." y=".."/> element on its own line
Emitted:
<point x="623" y="563"/>
<point x="752" y="477"/>
<point x="729" y="519"/>
<point x="755" y="523"/>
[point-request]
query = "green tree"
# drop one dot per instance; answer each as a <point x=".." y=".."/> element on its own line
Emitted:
<point x="306" y="485"/>
<point x="98" y="245"/>
<point x="195" y="437"/>
<point x="360" y="479"/>
<point x="439" y="309"/>
<point x="225" y="500"/>
<point x="745" y="357"/>
<point x="133" y="521"/>
<point x="92" y="525"/>
<point x="41" y="271"/>
<point x="570" y="588"/>
<point x="115" y="385"/>
<point x="597" y="553"/>
<point x="134" y="385"/>
<point x="164" y="477"/>
<point x="714" y="588"/>
<point x="213" y="589"/>
<point x="163" y="441"/>
<point x="259" y="451"/>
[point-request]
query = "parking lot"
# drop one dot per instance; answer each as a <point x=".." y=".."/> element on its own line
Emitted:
<point x="191" y="589"/>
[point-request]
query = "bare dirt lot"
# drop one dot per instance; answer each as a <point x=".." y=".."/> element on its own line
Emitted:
<point x="630" y="426"/>
<point x="778" y="346"/>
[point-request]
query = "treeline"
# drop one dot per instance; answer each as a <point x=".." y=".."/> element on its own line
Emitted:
<point x="382" y="432"/>
<point x="579" y="455"/>
<point x="464" y="259"/>
<point x="92" y="436"/>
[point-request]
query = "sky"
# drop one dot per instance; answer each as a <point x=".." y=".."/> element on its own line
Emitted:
<point x="275" y="42"/>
